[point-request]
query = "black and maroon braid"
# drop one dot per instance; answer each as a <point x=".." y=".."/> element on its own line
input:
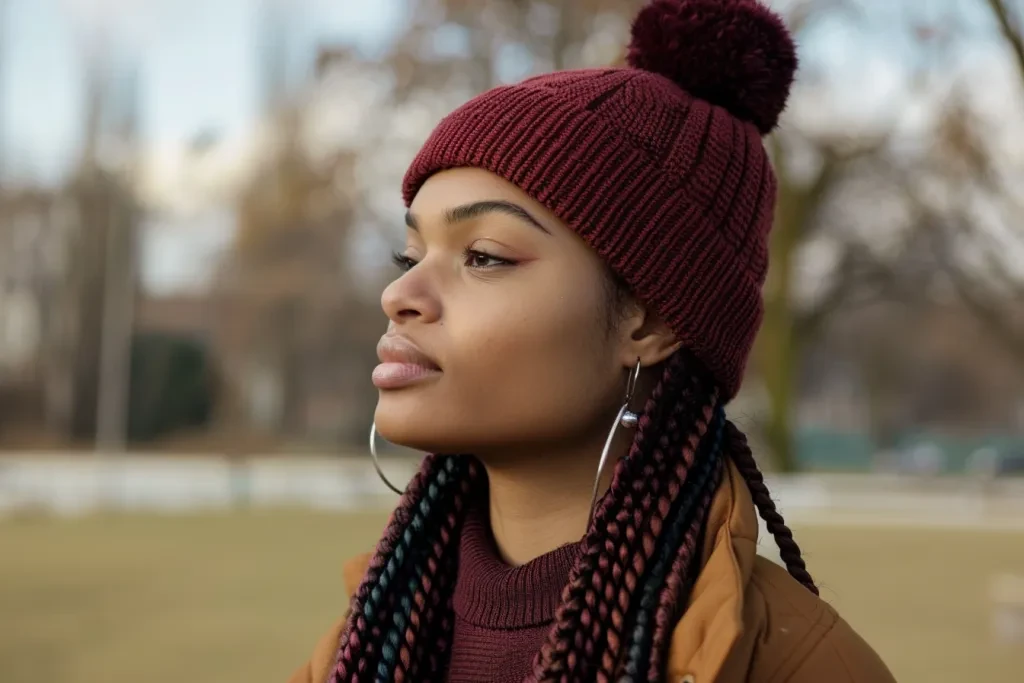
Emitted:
<point x="662" y="591"/>
<point x="600" y="595"/>
<point x="789" y="551"/>
<point x="630" y="584"/>
<point x="405" y="595"/>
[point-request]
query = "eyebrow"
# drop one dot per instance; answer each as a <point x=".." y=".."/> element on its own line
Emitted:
<point x="467" y="212"/>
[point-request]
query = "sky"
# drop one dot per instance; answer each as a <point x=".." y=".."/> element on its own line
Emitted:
<point x="198" y="64"/>
<point x="197" y="61"/>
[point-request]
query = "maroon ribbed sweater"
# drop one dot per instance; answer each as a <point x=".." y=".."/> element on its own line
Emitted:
<point x="502" y="613"/>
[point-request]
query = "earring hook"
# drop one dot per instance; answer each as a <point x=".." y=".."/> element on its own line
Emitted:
<point x="627" y="419"/>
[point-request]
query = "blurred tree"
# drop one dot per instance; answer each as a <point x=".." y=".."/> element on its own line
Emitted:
<point x="99" y="245"/>
<point x="32" y="228"/>
<point x="1011" y="27"/>
<point x="88" y="310"/>
<point x="293" y="326"/>
<point x="861" y="275"/>
<point x="938" y="351"/>
<point x="967" y="194"/>
<point x="806" y="195"/>
<point x="976" y="227"/>
<point x="791" y="325"/>
<point x="468" y="46"/>
<point x="284" y="288"/>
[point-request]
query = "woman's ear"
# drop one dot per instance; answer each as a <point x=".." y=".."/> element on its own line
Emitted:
<point x="646" y="336"/>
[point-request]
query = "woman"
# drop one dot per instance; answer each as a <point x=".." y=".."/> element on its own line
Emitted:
<point x="585" y="251"/>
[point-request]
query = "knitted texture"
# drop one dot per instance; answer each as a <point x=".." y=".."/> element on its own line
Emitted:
<point x="674" y="192"/>
<point x="502" y="613"/>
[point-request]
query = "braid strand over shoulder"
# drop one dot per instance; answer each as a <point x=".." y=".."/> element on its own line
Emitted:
<point x="740" y="453"/>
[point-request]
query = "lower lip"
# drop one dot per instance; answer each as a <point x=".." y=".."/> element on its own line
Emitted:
<point x="397" y="375"/>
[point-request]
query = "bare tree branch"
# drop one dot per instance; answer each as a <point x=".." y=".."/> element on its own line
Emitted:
<point x="858" y="280"/>
<point x="987" y="310"/>
<point x="1012" y="32"/>
<point x="803" y="12"/>
<point x="984" y="302"/>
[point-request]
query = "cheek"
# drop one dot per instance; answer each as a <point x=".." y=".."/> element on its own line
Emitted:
<point x="523" y="366"/>
<point x="536" y="368"/>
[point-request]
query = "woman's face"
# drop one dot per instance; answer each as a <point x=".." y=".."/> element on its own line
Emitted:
<point x="498" y="337"/>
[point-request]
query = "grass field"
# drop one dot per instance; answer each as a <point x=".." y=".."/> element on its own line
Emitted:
<point x="243" y="596"/>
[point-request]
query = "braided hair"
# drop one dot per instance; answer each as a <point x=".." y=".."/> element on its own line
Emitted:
<point x="633" y="575"/>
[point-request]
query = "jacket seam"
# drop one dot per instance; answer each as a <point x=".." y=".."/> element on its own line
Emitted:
<point x="791" y="664"/>
<point x="780" y="677"/>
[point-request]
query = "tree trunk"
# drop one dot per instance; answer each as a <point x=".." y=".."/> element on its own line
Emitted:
<point x="778" y="344"/>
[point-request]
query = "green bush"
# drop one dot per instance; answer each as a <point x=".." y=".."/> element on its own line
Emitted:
<point x="173" y="386"/>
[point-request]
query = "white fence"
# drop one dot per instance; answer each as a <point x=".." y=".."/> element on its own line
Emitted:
<point x="83" y="483"/>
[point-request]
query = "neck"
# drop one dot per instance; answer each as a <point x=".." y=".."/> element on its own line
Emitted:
<point x="541" y="502"/>
<point x="540" y="497"/>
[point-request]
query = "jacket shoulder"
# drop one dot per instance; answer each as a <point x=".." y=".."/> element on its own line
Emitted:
<point x="799" y="638"/>
<point x="317" y="669"/>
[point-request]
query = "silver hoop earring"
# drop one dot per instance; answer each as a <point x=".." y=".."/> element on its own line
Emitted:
<point x="627" y="419"/>
<point x="376" y="460"/>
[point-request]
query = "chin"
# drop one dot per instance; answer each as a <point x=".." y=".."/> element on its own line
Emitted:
<point x="406" y="420"/>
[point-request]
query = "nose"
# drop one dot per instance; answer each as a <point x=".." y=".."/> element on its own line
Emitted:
<point x="411" y="297"/>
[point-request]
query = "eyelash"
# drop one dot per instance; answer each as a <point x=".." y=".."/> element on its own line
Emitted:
<point x="405" y="263"/>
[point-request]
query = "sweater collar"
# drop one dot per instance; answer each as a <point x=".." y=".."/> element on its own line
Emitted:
<point x="491" y="594"/>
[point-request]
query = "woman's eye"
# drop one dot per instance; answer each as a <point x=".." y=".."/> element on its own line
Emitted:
<point x="480" y="259"/>
<point x="473" y="259"/>
<point x="403" y="262"/>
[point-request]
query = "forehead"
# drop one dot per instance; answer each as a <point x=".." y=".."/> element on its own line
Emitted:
<point x="457" y="186"/>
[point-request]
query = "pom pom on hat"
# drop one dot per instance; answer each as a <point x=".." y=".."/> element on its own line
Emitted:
<point x="736" y="54"/>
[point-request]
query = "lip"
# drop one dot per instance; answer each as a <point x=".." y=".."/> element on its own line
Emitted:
<point x="402" y="363"/>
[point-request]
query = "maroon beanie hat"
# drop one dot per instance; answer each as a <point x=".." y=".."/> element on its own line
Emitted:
<point x="658" y="166"/>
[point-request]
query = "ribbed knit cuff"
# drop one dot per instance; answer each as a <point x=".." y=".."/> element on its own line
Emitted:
<point x="493" y="595"/>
